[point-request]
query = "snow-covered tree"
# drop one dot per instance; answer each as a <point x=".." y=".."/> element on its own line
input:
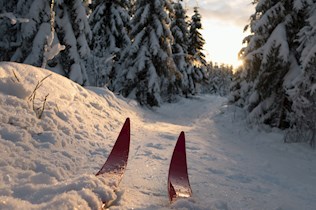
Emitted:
<point x="51" y="49"/>
<point x="109" y="22"/>
<point x="74" y="32"/>
<point x="32" y="39"/>
<point x="269" y="56"/>
<point x="196" y="40"/>
<point x="235" y="88"/>
<point x="34" y="33"/>
<point x="8" y="6"/>
<point x="219" y="79"/>
<point x="196" y="43"/>
<point x="12" y="17"/>
<point x="148" y="72"/>
<point x="179" y="29"/>
<point x="303" y="92"/>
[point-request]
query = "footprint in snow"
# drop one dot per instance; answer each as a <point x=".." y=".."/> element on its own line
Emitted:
<point x="168" y="137"/>
<point x="156" y="146"/>
<point x="240" y="178"/>
<point x="193" y="148"/>
<point x="96" y="106"/>
<point x="215" y="171"/>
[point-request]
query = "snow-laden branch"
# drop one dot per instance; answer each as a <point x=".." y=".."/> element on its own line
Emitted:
<point x="13" y="19"/>
<point x="50" y="50"/>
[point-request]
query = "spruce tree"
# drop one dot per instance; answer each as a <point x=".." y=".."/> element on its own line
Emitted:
<point x="179" y="29"/>
<point x="147" y="71"/>
<point x="10" y="29"/>
<point x="109" y="22"/>
<point x="196" y="43"/>
<point x="10" y="37"/>
<point x="32" y="33"/>
<point x="32" y="38"/>
<point x="269" y="56"/>
<point x="303" y="92"/>
<point x="196" y="40"/>
<point x="74" y="32"/>
<point x="220" y="77"/>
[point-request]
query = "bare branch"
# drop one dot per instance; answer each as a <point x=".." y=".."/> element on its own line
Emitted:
<point x="38" y="85"/>
<point x="43" y="107"/>
<point x="16" y="77"/>
<point x="38" y="110"/>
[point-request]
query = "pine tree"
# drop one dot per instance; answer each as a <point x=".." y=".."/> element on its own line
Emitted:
<point x="303" y="92"/>
<point x="110" y="22"/>
<point x="30" y="39"/>
<point x="148" y="72"/>
<point x="196" y="40"/>
<point x="235" y="88"/>
<point x="268" y="58"/>
<point x="33" y="33"/>
<point x="179" y="29"/>
<point x="74" y="32"/>
<point x="13" y="16"/>
<point x="220" y="77"/>
<point x="196" y="43"/>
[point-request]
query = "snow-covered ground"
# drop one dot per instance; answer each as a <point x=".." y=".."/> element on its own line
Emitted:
<point x="49" y="163"/>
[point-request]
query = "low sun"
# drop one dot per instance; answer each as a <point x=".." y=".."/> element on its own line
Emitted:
<point x="239" y="63"/>
<point x="223" y="42"/>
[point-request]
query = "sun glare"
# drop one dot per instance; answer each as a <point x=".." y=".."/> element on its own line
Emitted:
<point x="239" y="63"/>
<point x="223" y="42"/>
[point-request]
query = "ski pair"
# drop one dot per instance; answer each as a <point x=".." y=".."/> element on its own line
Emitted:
<point x="178" y="179"/>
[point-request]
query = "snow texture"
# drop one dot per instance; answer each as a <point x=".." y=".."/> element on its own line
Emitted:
<point x="49" y="163"/>
<point x="277" y="39"/>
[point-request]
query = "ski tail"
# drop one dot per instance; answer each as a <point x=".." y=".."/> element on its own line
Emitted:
<point x="116" y="163"/>
<point x="178" y="178"/>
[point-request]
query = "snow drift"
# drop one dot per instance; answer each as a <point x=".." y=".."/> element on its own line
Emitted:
<point x="49" y="162"/>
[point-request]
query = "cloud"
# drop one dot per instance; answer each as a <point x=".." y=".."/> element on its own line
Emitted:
<point x="236" y="12"/>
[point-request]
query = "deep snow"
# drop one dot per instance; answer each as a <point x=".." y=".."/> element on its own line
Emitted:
<point x="49" y="163"/>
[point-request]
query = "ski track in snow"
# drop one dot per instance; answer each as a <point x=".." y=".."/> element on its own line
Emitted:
<point x="50" y="163"/>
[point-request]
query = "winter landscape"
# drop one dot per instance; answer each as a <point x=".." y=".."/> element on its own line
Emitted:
<point x="49" y="163"/>
<point x="72" y="72"/>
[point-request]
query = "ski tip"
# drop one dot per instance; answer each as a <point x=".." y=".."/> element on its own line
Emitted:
<point x="127" y="123"/>
<point x="181" y="136"/>
<point x="182" y="133"/>
<point x="117" y="160"/>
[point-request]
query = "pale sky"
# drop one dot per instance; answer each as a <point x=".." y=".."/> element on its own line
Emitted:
<point x="223" y="22"/>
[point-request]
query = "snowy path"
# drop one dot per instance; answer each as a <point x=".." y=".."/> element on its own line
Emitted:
<point x="153" y="141"/>
<point x="230" y="166"/>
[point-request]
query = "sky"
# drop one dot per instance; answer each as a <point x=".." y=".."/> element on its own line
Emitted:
<point x="223" y="22"/>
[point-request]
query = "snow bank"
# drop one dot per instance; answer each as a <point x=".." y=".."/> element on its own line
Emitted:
<point x="43" y="192"/>
<point x="49" y="163"/>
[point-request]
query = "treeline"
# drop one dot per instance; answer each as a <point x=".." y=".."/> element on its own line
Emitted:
<point x="149" y="50"/>
<point x="277" y="85"/>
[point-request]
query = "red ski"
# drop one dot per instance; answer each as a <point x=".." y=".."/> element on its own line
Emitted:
<point x="178" y="178"/>
<point x="117" y="161"/>
<point x="114" y="167"/>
